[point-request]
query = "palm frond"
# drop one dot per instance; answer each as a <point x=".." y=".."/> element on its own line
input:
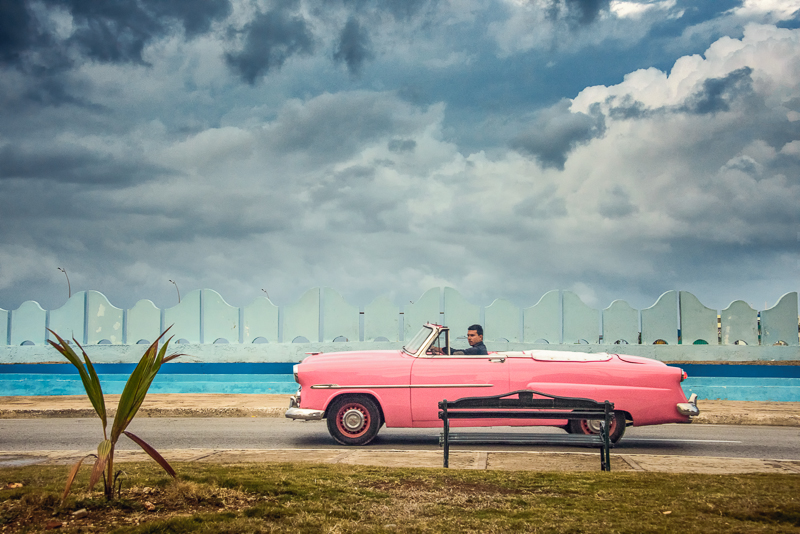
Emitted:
<point x="91" y="382"/>
<point x="71" y="477"/>
<point x="103" y="452"/>
<point x="137" y="386"/>
<point x="154" y="454"/>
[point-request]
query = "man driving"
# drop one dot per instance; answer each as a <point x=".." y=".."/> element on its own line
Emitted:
<point x="475" y="340"/>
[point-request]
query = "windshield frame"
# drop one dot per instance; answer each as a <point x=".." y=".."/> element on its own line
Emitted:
<point x="419" y="340"/>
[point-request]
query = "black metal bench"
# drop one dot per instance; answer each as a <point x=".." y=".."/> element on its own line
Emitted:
<point x="524" y="406"/>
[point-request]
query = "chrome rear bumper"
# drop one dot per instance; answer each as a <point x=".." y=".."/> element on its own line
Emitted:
<point x="689" y="408"/>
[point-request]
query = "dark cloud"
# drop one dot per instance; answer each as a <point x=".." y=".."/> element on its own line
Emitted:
<point x="112" y="31"/>
<point x="626" y="108"/>
<point x="118" y="31"/>
<point x="16" y="30"/>
<point x="718" y="93"/>
<point x="581" y="12"/>
<point x="556" y="131"/>
<point x="402" y="145"/>
<point x="196" y="16"/>
<point x="72" y="164"/>
<point x="353" y="47"/>
<point x="270" y="39"/>
<point x="586" y="11"/>
<point x="332" y="127"/>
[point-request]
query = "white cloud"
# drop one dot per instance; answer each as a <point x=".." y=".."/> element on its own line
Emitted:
<point x="636" y="10"/>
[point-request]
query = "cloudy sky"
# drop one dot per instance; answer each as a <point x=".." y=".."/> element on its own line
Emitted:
<point x="505" y="148"/>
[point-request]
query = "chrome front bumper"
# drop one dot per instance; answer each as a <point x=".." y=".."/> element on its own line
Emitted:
<point x="689" y="408"/>
<point x="295" y="412"/>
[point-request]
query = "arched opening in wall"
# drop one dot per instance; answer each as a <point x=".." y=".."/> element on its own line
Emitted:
<point x="541" y="342"/>
<point x="142" y="342"/>
<point x="340" y="339"/>
<point x="660" y="342"/>
<point x="740" y="342"/>
<point x="621" y="342"/>
<point x="300" y="339"/>
<point x="380" y="338"/>
<point x="780" y="343"/>
<point x="182" y="341"/>
<point x="104" y="342"/>
<point x="26" y="343"/>
<point x="700" y="342"/>
<point x="581" y="342"/>
<point x="260" y="339"/>
<point x="221" y="341"/>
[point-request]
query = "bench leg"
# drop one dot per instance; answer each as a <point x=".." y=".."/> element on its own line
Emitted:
<point x="605" y="462"/>
<point x="446" y="443"/>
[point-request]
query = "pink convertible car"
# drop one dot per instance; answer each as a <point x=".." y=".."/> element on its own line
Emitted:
<point x="357" y="392"/>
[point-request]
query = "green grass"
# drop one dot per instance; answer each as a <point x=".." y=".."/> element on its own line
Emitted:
<point x="253" y="498"/>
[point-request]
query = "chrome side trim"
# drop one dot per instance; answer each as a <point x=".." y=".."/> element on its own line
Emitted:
<point x="306" y="415"/>
<point x="337" y="386"/>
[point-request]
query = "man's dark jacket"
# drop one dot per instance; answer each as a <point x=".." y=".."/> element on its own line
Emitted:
<point x="477" y="349"/>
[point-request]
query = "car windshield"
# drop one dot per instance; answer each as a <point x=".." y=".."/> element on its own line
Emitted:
<point x="413" y="346"/>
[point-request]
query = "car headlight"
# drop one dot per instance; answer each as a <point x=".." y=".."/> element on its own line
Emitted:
<point x="295" y="373"/>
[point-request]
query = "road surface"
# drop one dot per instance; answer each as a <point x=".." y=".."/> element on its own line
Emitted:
<point x="732" y="441"/>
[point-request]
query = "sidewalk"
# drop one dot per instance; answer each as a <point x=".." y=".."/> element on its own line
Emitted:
<point x="213" y="405"/>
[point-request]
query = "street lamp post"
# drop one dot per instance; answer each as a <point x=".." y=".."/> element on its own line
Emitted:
<point x="69" y="287"/>
<point x="178" y="290"/>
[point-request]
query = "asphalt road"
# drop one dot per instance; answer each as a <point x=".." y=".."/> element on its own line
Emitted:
<point x="733" y="441"/>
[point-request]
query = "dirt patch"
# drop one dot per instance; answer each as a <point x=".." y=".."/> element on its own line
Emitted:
<point x="135" y="506"/>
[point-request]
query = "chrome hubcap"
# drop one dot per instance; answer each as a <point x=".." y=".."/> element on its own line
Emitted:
<point x="353" y="420"/>
<point x="594" y="426"/>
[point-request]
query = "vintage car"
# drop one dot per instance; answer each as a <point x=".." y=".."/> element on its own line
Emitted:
<point x="357" y="392"/>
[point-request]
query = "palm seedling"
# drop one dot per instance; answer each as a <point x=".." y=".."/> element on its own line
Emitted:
<point x="131" y="399"/>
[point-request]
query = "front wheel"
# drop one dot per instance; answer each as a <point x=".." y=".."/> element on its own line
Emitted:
<point x="586" y="426"/>
<point x="354" y="420"/>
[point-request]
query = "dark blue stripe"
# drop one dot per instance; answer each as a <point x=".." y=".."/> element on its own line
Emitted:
<point x="168" y="368"/>
<point x="739" y="370"/>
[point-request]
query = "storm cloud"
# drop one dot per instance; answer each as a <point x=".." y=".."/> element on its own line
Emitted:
<point x="383" y="147"/>
<point x="270" y="39"/>
<point x="554" y="132"/>
<point x="353" y="47"/>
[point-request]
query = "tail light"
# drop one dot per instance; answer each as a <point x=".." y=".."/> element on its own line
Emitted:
<point x="684" y="376"/>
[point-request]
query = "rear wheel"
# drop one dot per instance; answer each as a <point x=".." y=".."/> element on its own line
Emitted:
<point x="587" y="426"/>
<point x="354" y="420"/>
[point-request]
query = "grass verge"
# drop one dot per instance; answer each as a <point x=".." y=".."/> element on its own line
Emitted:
<point x="256" y="498"/>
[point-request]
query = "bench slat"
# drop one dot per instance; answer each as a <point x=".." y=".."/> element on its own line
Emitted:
<point x="517" y="414"/>
<point x="533" y="439"/>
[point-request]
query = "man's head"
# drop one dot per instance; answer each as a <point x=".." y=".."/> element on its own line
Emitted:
<point x="474" y="334"/>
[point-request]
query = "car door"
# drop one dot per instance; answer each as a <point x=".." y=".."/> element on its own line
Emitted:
<point x="438" y="377"/>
